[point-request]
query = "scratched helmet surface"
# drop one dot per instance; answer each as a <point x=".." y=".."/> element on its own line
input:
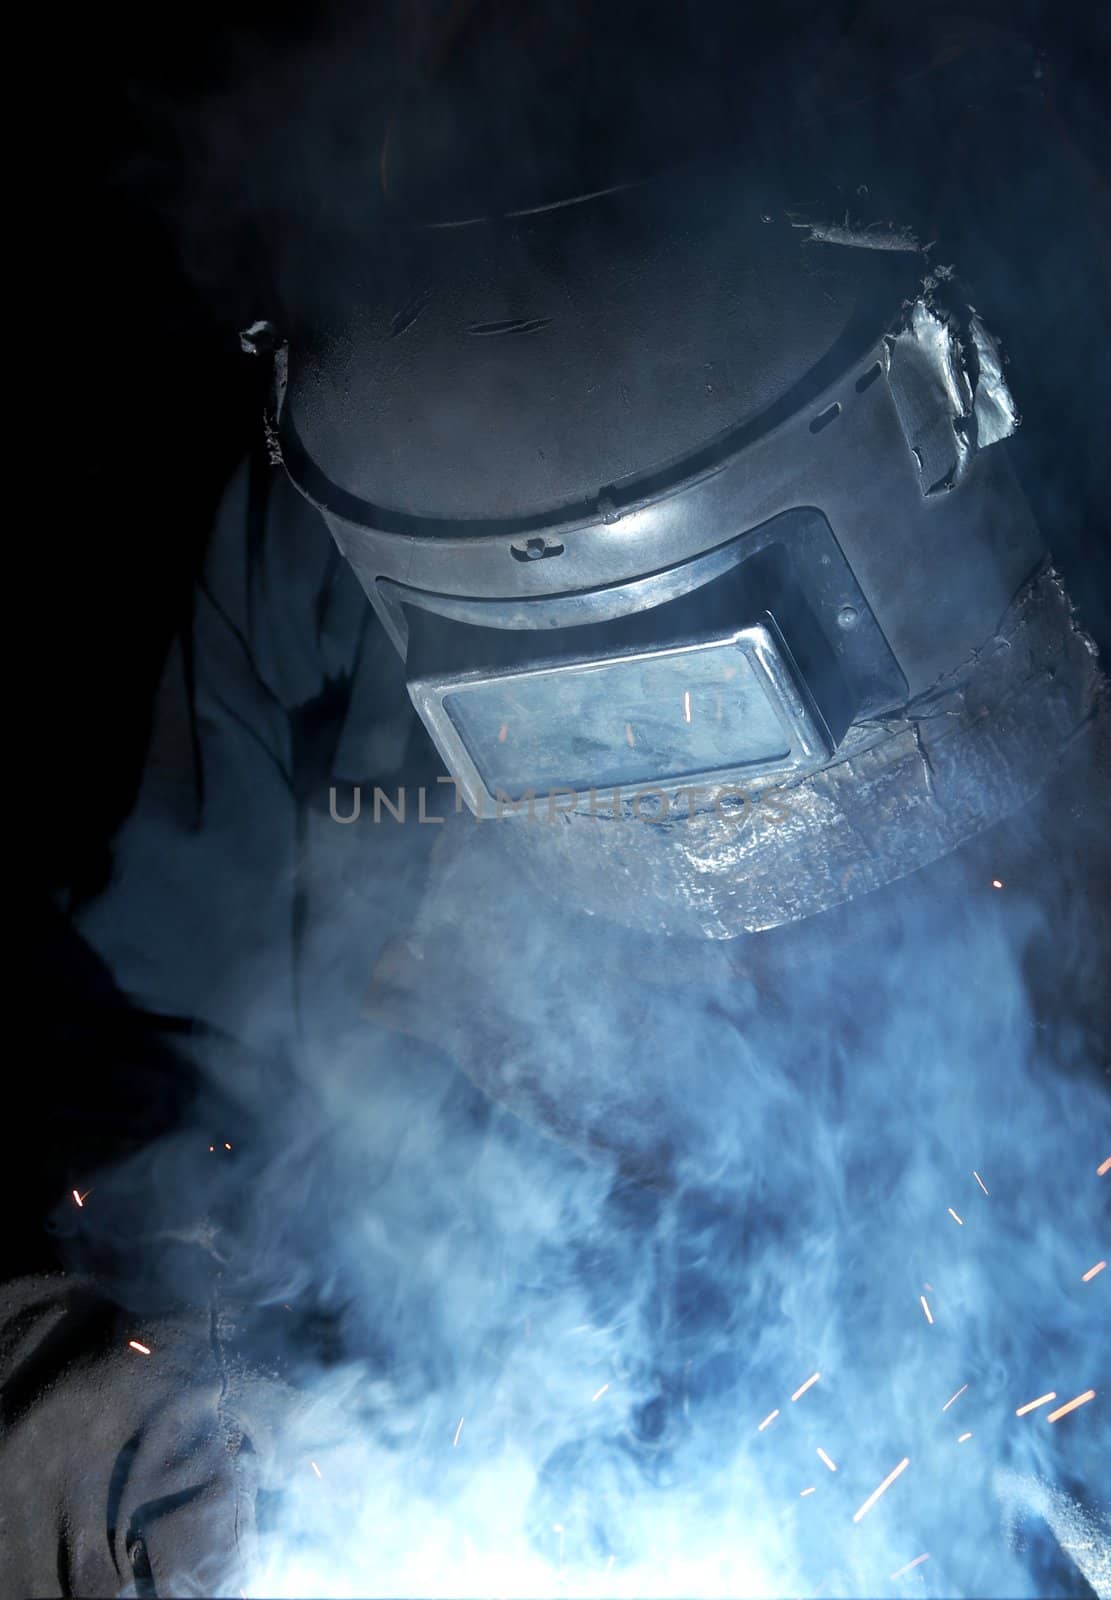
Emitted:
<point x="690" y="512"/>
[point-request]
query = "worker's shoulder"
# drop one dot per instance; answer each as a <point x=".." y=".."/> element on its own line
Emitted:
<point x="274" y="574"/>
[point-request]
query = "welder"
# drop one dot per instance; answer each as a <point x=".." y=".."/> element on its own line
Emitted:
<point x="653" y="515"/>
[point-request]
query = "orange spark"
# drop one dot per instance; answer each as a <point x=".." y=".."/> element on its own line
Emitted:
<point x="503" y="733"/>
<point x="227" y="1147"/>
<point x="953" y="1397"/>
<point x="771" y="1416"/>
<point x="133" y="1344"/>
<point x="963" y="1437"/>
<point x="917" y="1562"/>
<point x="802" y="1390"/>
<point x="77" y="1197"/>
<point x="886" y="1484"/>
<point x="997" y="883"/>
<point x="629" y="740"/>
<point x="954" y="1216"/>
<point x="600" y="1393"/>
<point x="980" y="1181"/>
<point x="1063" y="1411"/>
<point x="458" y="1431"/>
<point x="1104" y="1167"/>
<point x="316" y="1469"/>
<point x="1032" y="1405"/>
<point x="926" y="1309"/>
<point x="211" y="1147"/>
<point x="804" y="1492"/>
<point x="1087" y="1277"/>
<point x="686" y="705"/>
<point x="825" y="1459"/>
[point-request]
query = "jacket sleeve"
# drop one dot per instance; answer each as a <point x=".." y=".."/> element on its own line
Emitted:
<point x="199" y="914"/>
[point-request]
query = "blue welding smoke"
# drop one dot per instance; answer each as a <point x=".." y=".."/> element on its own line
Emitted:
<point x="541" y="1378"/>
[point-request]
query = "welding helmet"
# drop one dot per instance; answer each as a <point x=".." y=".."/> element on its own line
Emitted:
<point x="691" y="515"/>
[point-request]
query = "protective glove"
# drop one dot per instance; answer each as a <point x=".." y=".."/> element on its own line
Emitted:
<point x="131" y="1451"/>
